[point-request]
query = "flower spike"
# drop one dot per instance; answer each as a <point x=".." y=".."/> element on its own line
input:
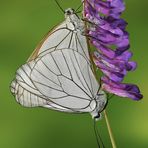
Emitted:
<point x="108" y="34"/>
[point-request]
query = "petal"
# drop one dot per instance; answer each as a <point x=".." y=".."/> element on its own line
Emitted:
<point x="125" y="56"/>
<point x="131" y="66"/>
<point x="123" y="90"/>
<point x="104" y="50"/>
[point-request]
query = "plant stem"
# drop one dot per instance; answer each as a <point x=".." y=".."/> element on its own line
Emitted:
<point x="94" y="70"/>
<point x="110" y="130"/>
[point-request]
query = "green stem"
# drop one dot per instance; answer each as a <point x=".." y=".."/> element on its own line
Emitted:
<point x="110" y="130"/>
<point x="94" y="70"/>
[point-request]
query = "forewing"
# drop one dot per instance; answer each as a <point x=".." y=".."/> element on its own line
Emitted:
<point x="59" y="77"/>
<point x="62" y="37"/>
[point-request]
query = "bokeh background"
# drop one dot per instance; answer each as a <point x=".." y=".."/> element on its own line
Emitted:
<point x="22" y="26"/>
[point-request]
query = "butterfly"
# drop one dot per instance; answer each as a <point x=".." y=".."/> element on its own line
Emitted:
<point x="59" y="74"/>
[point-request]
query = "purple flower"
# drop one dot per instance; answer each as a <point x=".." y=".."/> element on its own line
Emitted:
<point x="123" y="90"/>
<point x="108" y="34"/>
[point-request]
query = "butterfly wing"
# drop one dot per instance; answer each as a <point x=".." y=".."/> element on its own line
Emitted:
<point x="23" y="88"/>
<point x="65" y="77"/>
<point x="58" y="75"/>
<point x="62" y="37"/>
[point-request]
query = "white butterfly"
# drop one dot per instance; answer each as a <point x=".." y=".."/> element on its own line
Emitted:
<point x="59" y="73"/>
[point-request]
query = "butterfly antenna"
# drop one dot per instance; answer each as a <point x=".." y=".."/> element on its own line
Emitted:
<point x="98" y="137"/>
<point x="79" y="7"/>
<point x="110" y="97"/>
<point x="59" y="6"/>
<point x="96" y="134"/>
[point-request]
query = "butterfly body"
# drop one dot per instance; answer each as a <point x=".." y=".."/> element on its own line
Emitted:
<point x="59" y="73"/>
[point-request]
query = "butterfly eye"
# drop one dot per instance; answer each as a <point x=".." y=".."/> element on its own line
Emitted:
<point x="69" y="11"/>
<point x="97" y="117"/>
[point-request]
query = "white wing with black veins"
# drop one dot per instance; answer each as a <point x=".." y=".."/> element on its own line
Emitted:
<point x="58" y="75"/>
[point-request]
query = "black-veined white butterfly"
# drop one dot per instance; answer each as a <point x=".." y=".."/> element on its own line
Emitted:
<point x="59" y="74"/>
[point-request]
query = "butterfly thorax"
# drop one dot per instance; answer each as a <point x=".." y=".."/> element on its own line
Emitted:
<point x="73" y="21"/>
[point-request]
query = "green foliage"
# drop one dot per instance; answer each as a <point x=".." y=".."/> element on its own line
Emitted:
<point x="22" y="26"/>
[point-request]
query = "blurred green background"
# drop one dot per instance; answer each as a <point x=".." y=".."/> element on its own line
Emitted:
<point x="22" y="26"/>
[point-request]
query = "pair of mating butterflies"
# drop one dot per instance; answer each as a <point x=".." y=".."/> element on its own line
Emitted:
<point x="59" y="73"/>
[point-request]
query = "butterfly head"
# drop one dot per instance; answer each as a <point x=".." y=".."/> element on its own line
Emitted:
<point x="101" y="103"/>
<point x="69" y="11"/>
